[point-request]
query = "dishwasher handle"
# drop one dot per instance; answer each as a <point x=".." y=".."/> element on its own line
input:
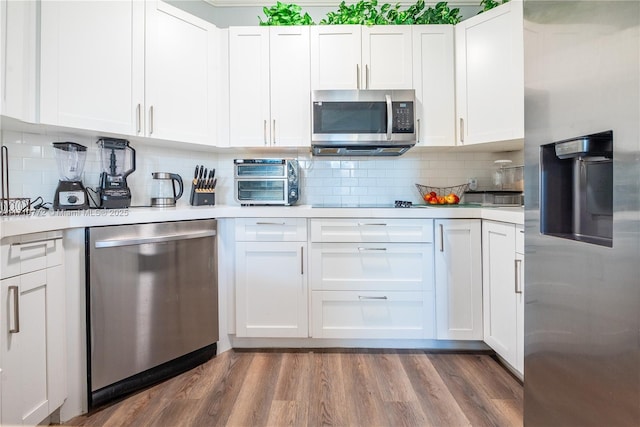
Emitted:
<point x="157" y="239"/>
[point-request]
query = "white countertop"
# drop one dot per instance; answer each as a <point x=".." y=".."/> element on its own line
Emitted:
<point x="61" y="220"/>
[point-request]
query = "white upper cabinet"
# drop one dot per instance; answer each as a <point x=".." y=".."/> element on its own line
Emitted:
<point x="490" y="76"/>
<point x="269" y="94"/>
<point x="18" y="59"/>
<point x="335" y="57"/>
<point x="387" y="57"/>
<point x="128" y="67"/>
<point x="433" y="80"/>
<point x="180" y="82"/>
<point x="92" y="64"/>
<point x="360" y="57"/>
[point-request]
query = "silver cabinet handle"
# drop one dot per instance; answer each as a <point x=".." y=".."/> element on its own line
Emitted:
<point x="39" y="242"/>
<point x="461" y="130"/>
<point x="270" y="223"/>
<point x="389" y="117"/>
<point x="151" y="120"/>
<point x="364" y="297"/>
<point x="16" y="310"/>
<point x="518" y="266"/>
<point x="357" y="76"/>
<point x="372" y="249"/>
<point x="441" y="238"/>
<point x="418" y="131"/>
<point x="362" y="224"/>
<point x="264" y="131"/>
<point x="138" y="118"/>
<point x="302" y="260"/>
<point x="157" y="239"/>
<point x="366" y="75"/>
<point x="273" y="137"/>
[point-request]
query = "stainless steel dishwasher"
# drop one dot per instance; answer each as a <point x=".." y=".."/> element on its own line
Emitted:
<point x="152" y="304"/>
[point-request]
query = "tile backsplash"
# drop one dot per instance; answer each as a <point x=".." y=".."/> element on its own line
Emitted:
<point x="324" y="180"/>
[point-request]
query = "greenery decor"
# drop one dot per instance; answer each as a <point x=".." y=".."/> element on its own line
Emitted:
<point x="285" y="14"/>
<point x="368" y="12"/>
<point x="490" y="4"/>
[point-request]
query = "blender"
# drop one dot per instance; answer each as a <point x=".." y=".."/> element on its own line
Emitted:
<point x="118" y="161"/>
<point x="70" y="193"/>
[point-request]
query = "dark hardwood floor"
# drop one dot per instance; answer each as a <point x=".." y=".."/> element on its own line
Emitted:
<point x="314" y="388"/>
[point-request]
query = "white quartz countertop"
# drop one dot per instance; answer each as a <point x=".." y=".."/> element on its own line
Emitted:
<point x="61" y="220"/>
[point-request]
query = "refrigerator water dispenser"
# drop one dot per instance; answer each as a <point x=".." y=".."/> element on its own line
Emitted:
<point x="576" y="189"/>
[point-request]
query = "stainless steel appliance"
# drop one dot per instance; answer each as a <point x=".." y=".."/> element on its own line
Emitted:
<point x="118" y="160"/>
<point x="582" y="213"/>
<point x="266" y="181"/>
<point x="164" y="189"/>
<point x="70" y="193"/>
<point x="362" y="122"/>
<point x="152" y="304"/>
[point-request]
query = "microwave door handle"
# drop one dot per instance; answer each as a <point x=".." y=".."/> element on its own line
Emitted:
<point x="389" y="116"/>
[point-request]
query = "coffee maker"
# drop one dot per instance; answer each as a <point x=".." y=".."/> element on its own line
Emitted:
<point x="70" y="193"/>
<point x="118" y="160"/>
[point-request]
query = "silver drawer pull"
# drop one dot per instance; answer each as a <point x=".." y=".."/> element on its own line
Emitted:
<point x="372" y="249"/>
<point x="361" y="297"/>
<point x="16" y="310"/>
<point x="270" y="223"/>
<point x="38" y="242"/>
<point x="363" y="224"/>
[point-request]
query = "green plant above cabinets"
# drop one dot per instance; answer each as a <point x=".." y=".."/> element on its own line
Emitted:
<point x="490" y="4"/>
<point x="366" y="12"/>
<point x="285" y="14"/>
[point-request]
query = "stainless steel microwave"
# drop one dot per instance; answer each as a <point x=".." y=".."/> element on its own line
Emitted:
<point x="266" y="182"/>
<point x="367" y="122"/>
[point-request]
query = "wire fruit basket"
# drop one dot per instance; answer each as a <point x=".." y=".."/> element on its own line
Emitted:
<point x="441" y="194"/>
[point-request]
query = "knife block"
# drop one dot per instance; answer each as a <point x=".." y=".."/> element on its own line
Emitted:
<point x="200" y="197"/>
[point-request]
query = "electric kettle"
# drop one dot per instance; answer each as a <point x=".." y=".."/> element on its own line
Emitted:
<point x="164" y="189"/>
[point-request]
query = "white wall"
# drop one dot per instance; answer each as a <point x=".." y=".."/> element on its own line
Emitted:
<point x="336" y="180"/>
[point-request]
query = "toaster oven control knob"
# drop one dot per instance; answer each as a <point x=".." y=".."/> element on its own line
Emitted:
<point x="293" y="193"/>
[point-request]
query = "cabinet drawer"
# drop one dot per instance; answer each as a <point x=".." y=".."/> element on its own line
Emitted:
<point x="30" y="252"/>
<point x="271" y="229"/>
<point x="371" y="266"/>
<point x="373" y="314"/>
<point x="371" y="230"/>
<point x="520" y="239"/>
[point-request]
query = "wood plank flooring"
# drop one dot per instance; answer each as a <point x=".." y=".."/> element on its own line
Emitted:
<point x="326" y="388"/>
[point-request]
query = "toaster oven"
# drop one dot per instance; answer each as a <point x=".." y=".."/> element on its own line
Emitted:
<point x="266" y="182"/>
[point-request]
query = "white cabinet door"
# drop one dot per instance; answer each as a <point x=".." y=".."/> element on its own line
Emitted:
<point x="387" y="57"/>
<point x="180" y="84"/>
<point x="290" y="86"/>
<point x="270" y="101"/>
<point x="336" y="57"/>
<point x="249" y="99"/>
<point x="490" y="75"/>
<point x="520" y="300"/>
<point x="18" y="59"/>
<point x="24" y="349"/>
<point x="433" y="80"/>
<point x="499" y="293"/>
<point x="92" y="64"/>
<point x="271" y="289"/>
<point x="458" y="279"/>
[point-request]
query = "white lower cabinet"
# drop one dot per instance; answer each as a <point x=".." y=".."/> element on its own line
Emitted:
<point x="271" y="278"/>
<point x="458" y="279"/>
<point x="33" y="344"/>
<point x="503" y="291"/>
<point x="371" y="278"/>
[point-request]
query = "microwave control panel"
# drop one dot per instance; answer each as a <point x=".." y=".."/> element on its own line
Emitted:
<point x="403" y="117"/>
